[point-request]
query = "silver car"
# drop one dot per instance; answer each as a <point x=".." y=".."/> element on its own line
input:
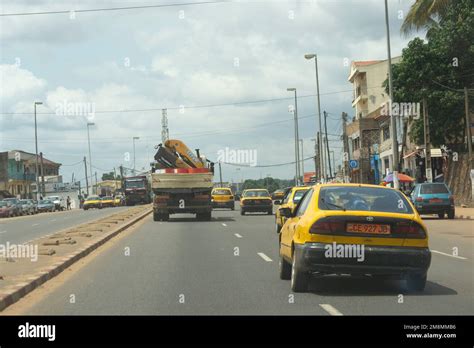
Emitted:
<point x="28" y="206"/>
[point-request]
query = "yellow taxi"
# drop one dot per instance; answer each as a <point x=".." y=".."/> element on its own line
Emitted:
<point x="107" y="201"/>
<point x="278" y="194"/>
<point x="290" y="200"/>
<point x="354" y="229"/>
<point x="222" y="197"/>
<point x="118" y="200"/>
<point x="256" y="200"/>
<point x="92" y="202"/>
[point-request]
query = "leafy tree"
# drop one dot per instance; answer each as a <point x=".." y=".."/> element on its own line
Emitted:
<point x="110" y="176"/>
<point x="423" y="14"/>
<point x="438" y="70"/>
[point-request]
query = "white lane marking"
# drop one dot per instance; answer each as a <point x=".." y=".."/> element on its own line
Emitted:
<point x="223" y="224"/>
<point x="237" y="235"/>
<point x="265" y="257"/>
<point x="441" y="253"/>
<point x="330" y="309"/>
<point x="35" y="225"/>
<point x="3" y="232"/>
<point x="53" y="220"/>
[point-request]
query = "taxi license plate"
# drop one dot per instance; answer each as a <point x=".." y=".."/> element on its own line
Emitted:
<point x="368" y="228"/>
<point x="435" y="200"/>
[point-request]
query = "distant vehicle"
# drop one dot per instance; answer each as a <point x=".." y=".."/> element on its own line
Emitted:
<point x="92" y="202"/>
<point x="385" y="235"/>
<point x="6" y="209"/>
<point x="29" y="206"/>
<point x="137" y="190"/>
<point x="433" y="198"/>
<point x="291" y="199"/>
<point x="256" y="200"/>
<point x="119" y="201"/>
<point x="222" y="197"/>
<point x="46" y="205"/>
<point x="16" y="206"/>
<point x="58" y="201"/>
<point x="278" y="194"/>
<point x="107" y="201"/>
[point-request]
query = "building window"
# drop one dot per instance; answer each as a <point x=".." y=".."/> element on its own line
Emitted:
<point x="385" y="133"/>
<point x="356" y="144"/>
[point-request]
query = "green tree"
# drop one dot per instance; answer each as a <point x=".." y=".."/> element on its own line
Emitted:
<point x="438" y="70"/>
<point x="424" y="14"/>
<point x="110" y="176"/>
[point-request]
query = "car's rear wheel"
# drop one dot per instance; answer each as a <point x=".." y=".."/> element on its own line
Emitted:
<point x="299" y="279"/>
<point x="156" y="217"/>
<point x="277" y="227"/>
<point x="451" y="214"/>
<point x="416" y="282"/>
<point x="441" y="215"/>
<point x="285" y="269"/>
<point x="270" y="212"/>
<point x="242" y="212"/>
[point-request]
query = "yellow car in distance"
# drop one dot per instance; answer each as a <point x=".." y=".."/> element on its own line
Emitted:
<point x="108" y="201"/>
<point x="354" y="229"/>
<point x="290" y="200"/>
<point x="278" y="194"/>
<point x="222" y="197"/>
<point x="118" y="200"/>
<point x="92" y="202"/>
<point x="256" y="200"/>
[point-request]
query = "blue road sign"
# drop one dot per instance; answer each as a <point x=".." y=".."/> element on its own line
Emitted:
<point x="353" y="164"/>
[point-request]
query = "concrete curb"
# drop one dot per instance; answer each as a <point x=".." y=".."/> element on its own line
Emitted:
<point x="10" y="296"/>
<point x="462" y="217"/>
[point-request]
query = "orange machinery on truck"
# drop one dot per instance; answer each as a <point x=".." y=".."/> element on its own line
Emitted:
<point x="181" y="181"/>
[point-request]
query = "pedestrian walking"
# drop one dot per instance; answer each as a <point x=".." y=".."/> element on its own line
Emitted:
<point x="68" y="203"/>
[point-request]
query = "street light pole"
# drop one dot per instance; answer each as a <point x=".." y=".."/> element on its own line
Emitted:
<point x="302" y="158"/>
<point x="90" y="158"/>
<point x="36" y="157"/>
<point x="393" y="124"/>
<point x="134" y="138"/>
<point x="297" y="151"/>
<point x="321" y="160"/>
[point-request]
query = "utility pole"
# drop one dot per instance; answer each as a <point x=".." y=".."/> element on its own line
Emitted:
<point x="393" y="124"/>
<point x="327" y="142"/>
<point x="87" y="181"/>
<point x="42" y="175"/>
<point x="319" y="157"/>
<point x="316" y="160"/>
<point x="345" y="145"/>
<point x="468" y="128"/>
<point x="297" y="146"/>
<point x="302" y="158"/>
<point x="36" y="156"/>
<point x="426" y="124"/>
<point x="90" y="157"/>
<point x="121" y="179"/>
<point x="95" y="182"/>
<point x="220" y="173"/>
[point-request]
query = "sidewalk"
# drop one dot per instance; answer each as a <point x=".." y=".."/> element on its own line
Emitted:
<point x="464" y="213"/>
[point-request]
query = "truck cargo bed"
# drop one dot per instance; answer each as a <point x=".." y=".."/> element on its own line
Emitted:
<point x="181" y="180"/>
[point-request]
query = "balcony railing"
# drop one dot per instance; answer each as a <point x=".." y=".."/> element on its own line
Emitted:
<point x="22" y="176"/>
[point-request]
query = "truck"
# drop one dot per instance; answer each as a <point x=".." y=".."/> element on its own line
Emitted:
<point x="137" y="190"/>
<point x="181" y="181"/>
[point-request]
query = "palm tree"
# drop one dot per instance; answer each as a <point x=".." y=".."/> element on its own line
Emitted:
<point x="424" y="14"/>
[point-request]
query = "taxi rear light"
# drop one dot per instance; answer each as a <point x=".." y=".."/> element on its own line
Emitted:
<point x="409" y="230"/>
<point x="161" y="198"/>
<point x="202" y="197"/>
<point x="327" y="226"/>
<point x="419" y="199"/>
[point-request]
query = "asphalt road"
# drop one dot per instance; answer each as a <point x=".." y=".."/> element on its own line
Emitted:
<point x="189" y="267"/>
<point x="23" y="229"/>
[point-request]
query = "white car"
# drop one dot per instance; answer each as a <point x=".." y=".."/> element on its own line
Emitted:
<point x="58" y="201"/>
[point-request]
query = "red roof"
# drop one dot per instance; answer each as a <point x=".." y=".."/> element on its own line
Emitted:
<point x="366" y="62"/>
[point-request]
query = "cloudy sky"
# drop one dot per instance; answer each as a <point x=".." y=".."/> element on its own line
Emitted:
<point x="127" y="65"/>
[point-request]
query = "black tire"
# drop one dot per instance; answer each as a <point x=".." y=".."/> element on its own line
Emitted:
<point x="277" y="227"/>
<point x="208" y="216"/>
<point x="242" y="212"/>
<point x="299" y="279"/>
<point x="416" y="282"/>
<point x="270" y="212"/>
<point x="165" y="217"/>
<point x="156" y="217"/>
<point x="451" y="214"/>
<point x="441" y="215"/>
<point x="285" y="269"/>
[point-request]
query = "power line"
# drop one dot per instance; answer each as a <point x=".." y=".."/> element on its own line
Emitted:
<point x="182" y="107"/>
<point x="114" y="8"/>
<point x="265" y="166"/>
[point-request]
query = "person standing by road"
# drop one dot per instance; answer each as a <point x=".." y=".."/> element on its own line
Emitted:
<point x="68" y="203"/>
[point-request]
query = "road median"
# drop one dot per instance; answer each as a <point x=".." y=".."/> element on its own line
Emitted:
<point x="26" y="266"/>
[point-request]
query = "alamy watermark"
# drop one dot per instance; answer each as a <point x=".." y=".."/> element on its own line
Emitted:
<point x="66" y="108"/>
<point x="19" y="251"/>
<point x="401" y="109"/>
<point x="238" y="156"/>
<point x="336" y="250"/>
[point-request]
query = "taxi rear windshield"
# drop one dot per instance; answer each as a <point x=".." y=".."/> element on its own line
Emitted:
<point x="363" y="199"/>
<point x="260" y="193"/>
<point x="433" y="188"/>
<point x="221" y="192"/>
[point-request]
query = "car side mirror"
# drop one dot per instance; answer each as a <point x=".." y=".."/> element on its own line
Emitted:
<point x="277" y="202"/>
<point x="286" y="212"/>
